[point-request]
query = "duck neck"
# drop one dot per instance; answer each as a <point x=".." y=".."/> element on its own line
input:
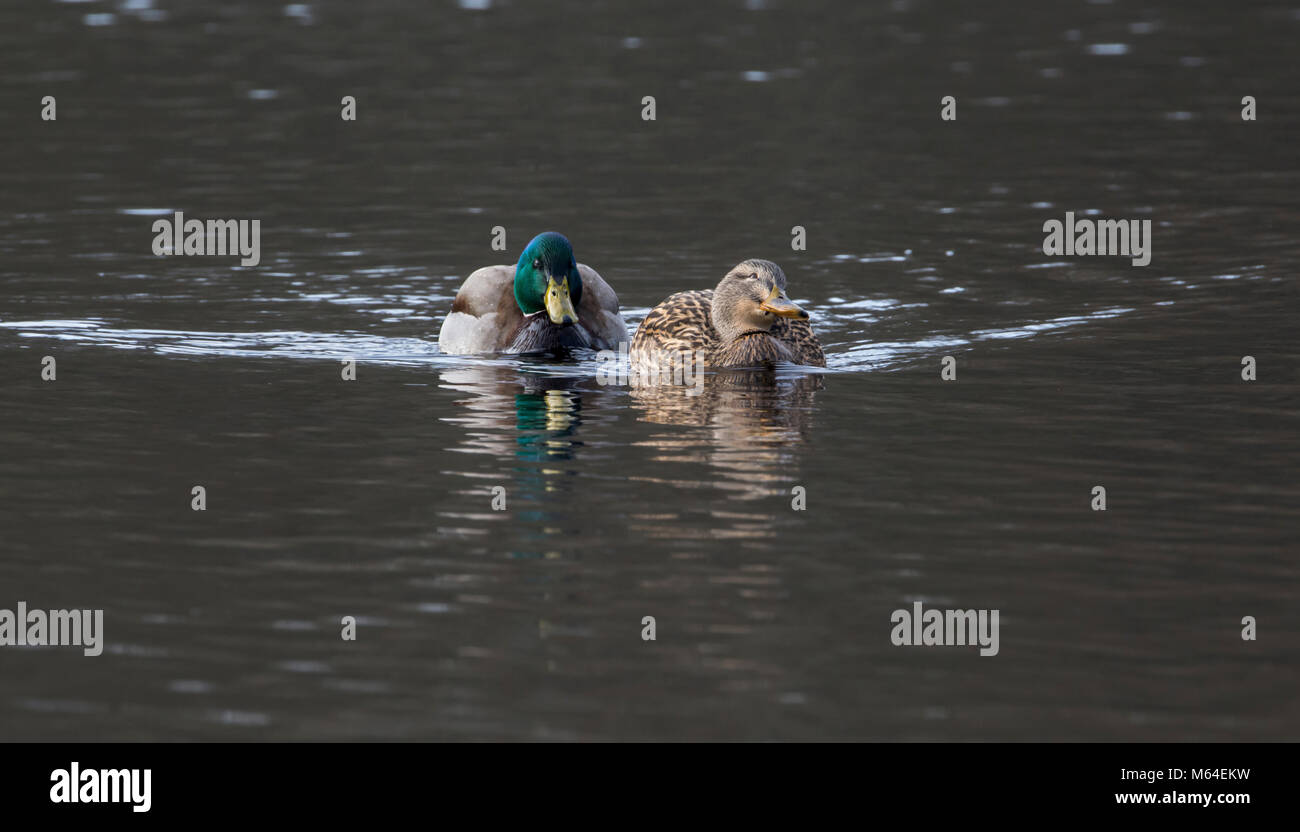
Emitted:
<point x="730" y="329"/>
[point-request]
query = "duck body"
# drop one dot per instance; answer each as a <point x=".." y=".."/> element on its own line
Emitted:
<point x="548" y="302"/>
<point x="746" y="322"/>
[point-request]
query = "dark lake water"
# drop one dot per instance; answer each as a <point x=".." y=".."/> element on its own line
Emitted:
<point x="373" y="498"/>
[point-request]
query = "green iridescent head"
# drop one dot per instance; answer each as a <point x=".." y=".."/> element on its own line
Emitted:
<point x="547" y="279"/>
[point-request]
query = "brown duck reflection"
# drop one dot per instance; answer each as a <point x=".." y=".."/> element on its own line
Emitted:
<point x="755" y="420"/>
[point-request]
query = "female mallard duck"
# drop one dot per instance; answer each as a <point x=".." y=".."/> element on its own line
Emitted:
<point x="546" y="302"/>
<point x="746" y="322"/>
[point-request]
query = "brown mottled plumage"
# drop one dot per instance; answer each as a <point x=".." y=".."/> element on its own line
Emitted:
<point x="746" y="322"/>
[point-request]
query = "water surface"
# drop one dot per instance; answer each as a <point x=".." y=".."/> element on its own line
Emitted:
<point x="373" y="498"/>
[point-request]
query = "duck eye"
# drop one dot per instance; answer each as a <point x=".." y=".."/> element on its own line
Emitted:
<point x="753" y="276"/>
<point x="537" y="264"/>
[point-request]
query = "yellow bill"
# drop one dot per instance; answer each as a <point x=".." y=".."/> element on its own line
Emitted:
<point x="559" y="306"/>
<point x="778" y="304"/>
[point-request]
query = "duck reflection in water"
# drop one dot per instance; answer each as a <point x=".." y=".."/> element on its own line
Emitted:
<point x="548" y="417"/>
<point x="534" y="417"/>
<point x="534" y="421"/>
<point x="742" y="426"/>
<point x="754" y="417"/>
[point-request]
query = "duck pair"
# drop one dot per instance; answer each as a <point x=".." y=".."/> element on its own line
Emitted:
<point x="549" y="301"/>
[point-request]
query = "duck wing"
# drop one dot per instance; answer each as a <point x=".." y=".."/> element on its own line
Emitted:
<point x="798" y="335"/>
<point x="598" y="311"/>
<point x="679" y="324"/>
<point x="484" y="317"/>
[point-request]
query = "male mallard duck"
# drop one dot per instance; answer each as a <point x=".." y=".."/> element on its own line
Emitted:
<point x="746" y="322"/>
<point x="547" y="301"/>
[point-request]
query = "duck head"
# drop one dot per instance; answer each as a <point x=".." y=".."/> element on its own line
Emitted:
<point x="547" y="279"/>
<point x="750" y="299"/>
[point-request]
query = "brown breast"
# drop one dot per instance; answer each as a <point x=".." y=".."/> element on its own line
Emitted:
<point x="753" y="350"/>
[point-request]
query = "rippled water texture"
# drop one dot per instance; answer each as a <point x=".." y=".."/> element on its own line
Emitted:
<point x="373" y="498"/>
